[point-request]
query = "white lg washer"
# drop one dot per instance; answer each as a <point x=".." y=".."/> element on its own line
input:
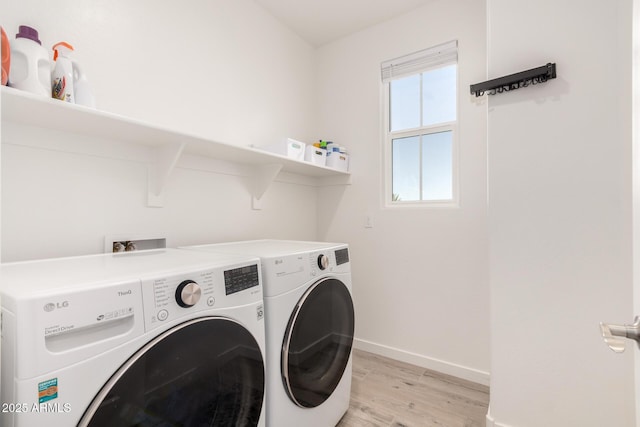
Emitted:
<point x="150" y="338"/>
<point x="309" y="319"/>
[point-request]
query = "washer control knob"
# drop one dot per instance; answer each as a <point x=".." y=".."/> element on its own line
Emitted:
<point x="188" y="293"/>
<point x="323" y="262"/>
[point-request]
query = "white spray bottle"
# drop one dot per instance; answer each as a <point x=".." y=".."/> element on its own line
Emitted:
<point x="62" y="77"/>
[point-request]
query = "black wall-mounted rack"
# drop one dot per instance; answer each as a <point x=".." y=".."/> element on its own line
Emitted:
<point x="515" y="81"/>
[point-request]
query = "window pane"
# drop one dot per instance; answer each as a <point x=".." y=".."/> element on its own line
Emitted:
<point x="406" y="169"/>
<point x="439" y="95"/>
<point x="405" y="103"/>
<point x="437" y="166"/>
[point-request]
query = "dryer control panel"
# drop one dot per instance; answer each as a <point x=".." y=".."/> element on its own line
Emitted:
<point x="329" y="261"/>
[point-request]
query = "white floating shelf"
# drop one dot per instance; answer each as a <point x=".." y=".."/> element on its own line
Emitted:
<point x="32" y="110"/>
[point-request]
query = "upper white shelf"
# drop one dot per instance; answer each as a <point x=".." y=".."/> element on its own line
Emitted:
<point x="26" y="108"/>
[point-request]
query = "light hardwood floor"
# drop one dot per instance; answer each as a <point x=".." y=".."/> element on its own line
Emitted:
<point x="386" y="392"/>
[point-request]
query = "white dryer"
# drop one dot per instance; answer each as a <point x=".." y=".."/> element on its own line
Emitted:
<point x="151" y="338"/>
<point x="309" y="317"/>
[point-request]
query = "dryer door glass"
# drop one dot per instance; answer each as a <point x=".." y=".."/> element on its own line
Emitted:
<point x="205" y="372"/>
<point x="317" y="343"/>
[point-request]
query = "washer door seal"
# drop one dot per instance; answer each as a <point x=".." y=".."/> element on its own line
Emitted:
<point x="207" y="371"/>
<point x="317" y="343"/>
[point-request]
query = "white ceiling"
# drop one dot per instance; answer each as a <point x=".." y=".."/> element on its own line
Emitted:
<point x="322" y="21"/>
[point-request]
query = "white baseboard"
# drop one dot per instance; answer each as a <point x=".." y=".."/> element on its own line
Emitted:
<point x="491" y="422"/>
<point x="459" y="371"/>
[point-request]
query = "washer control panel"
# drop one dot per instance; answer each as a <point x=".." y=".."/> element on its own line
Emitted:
<point x="188" y="293"/>
<point x="241" y="278"/>
<point x="169" y="298"/>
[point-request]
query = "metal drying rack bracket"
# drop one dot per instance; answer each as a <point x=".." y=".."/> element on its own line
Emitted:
<point x="515" y="81"/>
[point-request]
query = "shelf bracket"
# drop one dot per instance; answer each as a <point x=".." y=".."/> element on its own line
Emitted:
<point x="263" y="177"/>
<point x="166" y="158"/>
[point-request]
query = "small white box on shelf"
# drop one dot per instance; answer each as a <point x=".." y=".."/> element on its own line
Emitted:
<point x="315" y="155"/>
<point x="338" y="161"/>
<point x="287" y="147"/>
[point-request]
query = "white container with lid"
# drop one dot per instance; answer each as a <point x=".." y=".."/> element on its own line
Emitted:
<point x="338" y="161"/>
<point x="30" y="65"/>
<point x="315" y="155"/>
<point x="287" y="147"/>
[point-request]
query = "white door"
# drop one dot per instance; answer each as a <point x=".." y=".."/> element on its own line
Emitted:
<point x="560" y="214"/>
<point x="636" y="186"/>
<point x="622" y="338"/>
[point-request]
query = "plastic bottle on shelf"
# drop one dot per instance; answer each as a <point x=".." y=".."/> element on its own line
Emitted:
<point x="30" y="66"/>
<point x="62" y="77"/>
<point x="68" y="82"/>
<point x="6" y="57"/>
<point x="82" y="88"/>
<point x="330" y="146"/>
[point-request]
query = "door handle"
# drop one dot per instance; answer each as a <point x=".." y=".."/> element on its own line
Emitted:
<point x="614" y="335"/>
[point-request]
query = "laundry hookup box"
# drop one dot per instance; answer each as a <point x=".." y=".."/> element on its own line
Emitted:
<point x="287" y="147"/>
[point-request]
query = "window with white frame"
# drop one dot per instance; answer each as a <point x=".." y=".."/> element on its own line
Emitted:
<point x="420" y="127"/>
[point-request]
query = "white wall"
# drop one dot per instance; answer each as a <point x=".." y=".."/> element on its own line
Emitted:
<point x="420" y="275"/>
<point x="224" y="70"/>
<point x="636" y="183"/>
<point x="560" y="214"/>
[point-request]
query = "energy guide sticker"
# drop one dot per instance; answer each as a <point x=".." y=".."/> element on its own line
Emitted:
<point x="47" y="390"/>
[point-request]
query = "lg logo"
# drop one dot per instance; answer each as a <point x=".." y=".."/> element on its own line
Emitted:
<point x="52" y="306"/>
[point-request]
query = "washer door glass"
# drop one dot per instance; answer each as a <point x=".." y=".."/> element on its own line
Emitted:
<point x="317" y="343"/>
<point x="205" y="372"/>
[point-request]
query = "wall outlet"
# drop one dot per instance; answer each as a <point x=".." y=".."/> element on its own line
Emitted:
<point x="368" y="221"/>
